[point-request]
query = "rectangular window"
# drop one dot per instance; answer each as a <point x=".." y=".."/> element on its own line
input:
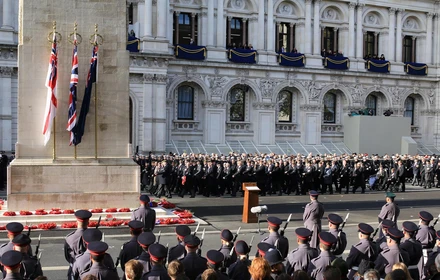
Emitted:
<point x="409" y="49"/>
<point x="285" y="106"/>
<point x="330" y="108"/>
<point x="184" y="28"/>
<point x="286" y="37"/>
<point x="330" y="40"/>
<point x="185" y="103"/>
<point x="370" y="45"/>
<point x="237" y="35"/>
<point x="237" y="105"/>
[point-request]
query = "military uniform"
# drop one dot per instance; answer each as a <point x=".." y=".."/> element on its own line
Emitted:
<point x="225" y="249"/>
<point x="381" y="242"/>
<point x="363" y="250"/>
<point x="299" y="258"/>
<point x="214" y="261"/>
<point x="145" y="214"/>
<point x="413" y="248"/>
<point x="313" y="213"/>
<point x="145" y="239"/>
<point x="131" y="249"/>
<point x="432" y="255"/>
<point x="178" y="252"/>
<point x="391" y="255"/>
<point x="193" y="263"/>
<point x="30" y="265"/>
<point x="275" y="239"/>
<point x="239" y="270"/>
<point x="13" y="229"/>
<point x="158" y="253"/>
<point x="275" y="260"/>
<point x="389" y="211"/>
<point x="426" y="235"/>
<point x="325" y="258"/>
<point x="341" y="239"/>
<point x="10" y="260"/>
<point x="98" y="269"/>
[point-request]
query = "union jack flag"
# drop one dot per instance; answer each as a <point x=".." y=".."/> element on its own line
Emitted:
<point x="91" y="79"/>
<point x="51" y="84"/>
<point x="72" y="96"/>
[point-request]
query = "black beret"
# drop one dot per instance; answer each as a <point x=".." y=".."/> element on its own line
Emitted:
<point x="83" y="215"/>
<point x="303" y="233"/>
<point x="214" y="257"/>
<point x="395" y="234"/>
<point x="274" y="221"/>
<point x="273" y="257"/>
<point x="136" y="224"/>
<point x="144" y="198"/>
<point x="387" y="223"/>
<point x="157" y="251"/>
<point x="92" y="234"/>
<point x="145" y="239"/>
<point x="97" y="248"/>
<point x="365" y="228"/>
<point x="183" y="231"/>
<point x="334" y="219"/>
<point x="191" y="241"/>
<point x="11" y="258"/>
<point x="327" y="238"/>
<point x="21" y="240"/>
<point x="226" y="235"/>
<point x="263" y="248"/>
<point x="410" y="226"/>
<point x="241" y="247"/>
<point x="426" y="216"/>
<point x="14" y="228"/>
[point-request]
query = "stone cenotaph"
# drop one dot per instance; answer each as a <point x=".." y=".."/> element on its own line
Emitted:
<point x="100" y="172"/>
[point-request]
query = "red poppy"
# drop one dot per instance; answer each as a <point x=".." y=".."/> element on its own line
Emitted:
<point x="124" y="210"/>
<point x="25" y="213"/>
<point x="9" y="213"/>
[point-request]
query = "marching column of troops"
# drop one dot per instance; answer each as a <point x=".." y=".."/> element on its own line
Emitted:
<point x="317" y="255"/>
<point x="213" y="175"/>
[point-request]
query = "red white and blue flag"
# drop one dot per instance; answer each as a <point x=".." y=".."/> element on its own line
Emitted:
<point x="51" y="84"/>
<point x="72" y="96"/>
<point x="91" y="79"/>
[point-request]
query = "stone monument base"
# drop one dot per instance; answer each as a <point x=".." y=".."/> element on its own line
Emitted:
<point x="72" y="184"/>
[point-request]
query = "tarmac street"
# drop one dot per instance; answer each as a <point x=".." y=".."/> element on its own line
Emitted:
<point x="226" y="212"/>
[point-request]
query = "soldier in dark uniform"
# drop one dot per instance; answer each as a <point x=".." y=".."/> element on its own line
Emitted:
<point x="83" y="261"/>
<point x="145" y="239"/>
<point x="214" y="261"/>
<point x="325" y="258"/>
<point x="364" y="250"/>
<point x="164" y="178"/>
<point x="237" y="177"/>
<point x="11" y="261"/>
<point x="178" y="252"/>
<point x="390" y="210"/>
<point x="391" y="255"/>
<point x="260" y="175"/>
<point x="341" y="239"/>
<point x="239" y="269"/>
<point x="313" y="213"/>
<point x="30" y="265"/>
<point x="263" y="248"/>
<point x="275" y="261"/>
<point x="13" y="229"/>
<point x="227" y="179"/>
<point x="158" y="255"/>
<point x="412" y="247"/>
<point x="299" y="258"/>
<point x="97" y="250"/>
<point x="226" y="237"/>
<point x="416" y="172"/>
<point x="401" y="175"/>
<point x="188" y="180"/>
<point x="432" y="255"/>
<point x="426" y="236"/>
<point x="274" y="238"/>
<point x="308" y="178"/>
<point x="145" y="214"/>
<point x="381" y="241"/>
<point x="193" y="263"/>
<point x="131" y="249"/>
<point x="358" y="178"/>
<point x="74" y="245"/>
<point x="344" y="176"/>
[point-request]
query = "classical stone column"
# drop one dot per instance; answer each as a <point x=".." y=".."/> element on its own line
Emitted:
<point x="359" y="34"/>
<point x="229" y="30"/>
<point x="245" y="30"/>
<point x="376" y="43"/>
<point x="220" y="25"/>
<point x="316" y="29"/>
<point x="399" y="35"/>
<point x="299" y="36"/>
<point x="270" y="27"/>
<point x="351" y="34"/>
<point x="391" y="30"/>
<point x="202" y="29"/>
<point x="335" y="40"/>
<point x="428" y="58"/>
<point x="176" y="26"/>
<point x="148" y="15"/>
<point x="436" y="39"/>
<point x="413" y="49"/>
<point x="193" y="27"/>
<point x="292" y="32"/>
<point x="277" y="36"/>
<point x="210" y="33"/>
<point x="8" y="14"/>
<point x="308" y="27"/>
<point x="161" y="19"/>
<point x="260" y="37"/>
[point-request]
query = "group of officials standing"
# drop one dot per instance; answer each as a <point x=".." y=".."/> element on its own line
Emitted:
<point x="219" y="175"/>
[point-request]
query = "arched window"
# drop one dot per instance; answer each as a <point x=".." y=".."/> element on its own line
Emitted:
<point x="371" y="104"/>
<point x="284" y="104"/>
<point x="330" y="108"/>
<point x="237" y="105"/>
<point x="409" y="109"/>
<point x="185" y="103"/>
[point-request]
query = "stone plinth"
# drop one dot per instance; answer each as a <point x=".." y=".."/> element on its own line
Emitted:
<point x="37" y="179"/>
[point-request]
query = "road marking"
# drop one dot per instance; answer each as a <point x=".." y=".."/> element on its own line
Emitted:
<point x="55" y="268"/>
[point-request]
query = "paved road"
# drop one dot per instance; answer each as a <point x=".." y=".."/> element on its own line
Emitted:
<point x="225" y="212"/>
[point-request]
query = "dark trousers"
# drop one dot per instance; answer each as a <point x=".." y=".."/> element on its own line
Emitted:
<point x="416" y="179"/>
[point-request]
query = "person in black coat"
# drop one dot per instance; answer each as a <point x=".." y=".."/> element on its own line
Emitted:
<point x="238" y="178"/>
<point x="193" y="263"/>
<point x="239" y="270"/>
<point x="358" y="178"/>
<point x="401" y="175"/>
<point x="227" y="179"/>
<point x="260" y="176"/>
<point x="277" y="179"/>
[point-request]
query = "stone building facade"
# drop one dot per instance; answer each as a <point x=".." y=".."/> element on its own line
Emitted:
<point x="215" y="101"/>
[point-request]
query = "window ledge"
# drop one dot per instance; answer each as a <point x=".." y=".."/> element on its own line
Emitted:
<point x="185" y="121"/>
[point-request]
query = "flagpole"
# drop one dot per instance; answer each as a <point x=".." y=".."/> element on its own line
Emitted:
<point x="96" y="96"/>
<point x="54" y="156"/>
<point x="77" y="39"/>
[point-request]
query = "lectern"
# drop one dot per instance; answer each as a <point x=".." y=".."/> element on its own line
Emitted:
<point x="250" y="200"/>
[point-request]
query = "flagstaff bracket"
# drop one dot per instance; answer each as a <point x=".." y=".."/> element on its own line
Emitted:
<point x="96" y="38"/>
<point x="75" y="38"/>
<point x="55" y="34"/>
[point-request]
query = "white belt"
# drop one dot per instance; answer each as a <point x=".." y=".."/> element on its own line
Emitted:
<point x="413" y="266"/>
<point x="355" y="268"/>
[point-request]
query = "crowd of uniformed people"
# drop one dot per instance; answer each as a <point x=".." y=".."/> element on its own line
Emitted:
<point x="217" y="175"/>
<point x="393" y="250"/>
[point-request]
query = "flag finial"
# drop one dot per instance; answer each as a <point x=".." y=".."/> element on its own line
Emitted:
<point x="96" y="39"/>
<point x="75" y="38"/>
<point x="54" y="36"/>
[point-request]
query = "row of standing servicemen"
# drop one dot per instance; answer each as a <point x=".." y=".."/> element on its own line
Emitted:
<point x="288" y="176"/>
